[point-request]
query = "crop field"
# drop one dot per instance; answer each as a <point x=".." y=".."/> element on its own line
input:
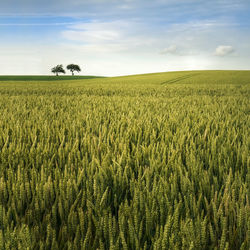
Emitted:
<point x="156" y="161"/>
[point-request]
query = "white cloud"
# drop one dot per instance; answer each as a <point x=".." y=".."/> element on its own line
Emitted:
<point x="224" y="50"/>
<point x="94" y="32"/>
<point x="113" y="36"/>
<point x="179" y="51"/>
<point x="169" y="50"/>
<point x="94" y="36"/>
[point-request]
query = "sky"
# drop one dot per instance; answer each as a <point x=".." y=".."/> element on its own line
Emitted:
<point x="123" y="37"/>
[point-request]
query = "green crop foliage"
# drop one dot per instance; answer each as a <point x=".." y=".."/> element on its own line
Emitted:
<point x="157" y="161"/>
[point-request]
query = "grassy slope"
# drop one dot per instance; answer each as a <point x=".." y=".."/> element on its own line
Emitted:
<point x="213" y="76"/>
<point x="158" y="161"/>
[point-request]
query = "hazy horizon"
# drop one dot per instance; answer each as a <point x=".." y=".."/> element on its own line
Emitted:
<point x="111" y="38"/>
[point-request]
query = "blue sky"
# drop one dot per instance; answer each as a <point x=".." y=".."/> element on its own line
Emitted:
<point x="111" y="37"/>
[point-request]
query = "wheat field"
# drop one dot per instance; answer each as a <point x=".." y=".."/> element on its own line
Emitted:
<point x="156" y="161"/>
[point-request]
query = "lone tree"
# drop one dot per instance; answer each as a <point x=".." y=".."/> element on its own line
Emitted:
<point x="73" y="67"/>
<point x="58" y="69"/>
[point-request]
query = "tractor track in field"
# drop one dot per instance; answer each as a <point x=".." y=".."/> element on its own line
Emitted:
<point x="178" y="79"/>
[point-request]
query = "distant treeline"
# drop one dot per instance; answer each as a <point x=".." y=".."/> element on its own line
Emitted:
<point x="44" y="78"/>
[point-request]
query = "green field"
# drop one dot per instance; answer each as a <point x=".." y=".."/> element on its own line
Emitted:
<point x="44" y="78"/>
<point x="156" y="161"/>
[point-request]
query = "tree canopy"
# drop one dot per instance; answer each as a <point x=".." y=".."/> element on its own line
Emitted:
<point x="58" y="69"/>
<point x="73" y="67"/>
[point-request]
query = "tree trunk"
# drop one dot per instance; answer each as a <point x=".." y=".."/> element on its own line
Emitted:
<point x="72" y="72"/>
<point x="56" y="74"/>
